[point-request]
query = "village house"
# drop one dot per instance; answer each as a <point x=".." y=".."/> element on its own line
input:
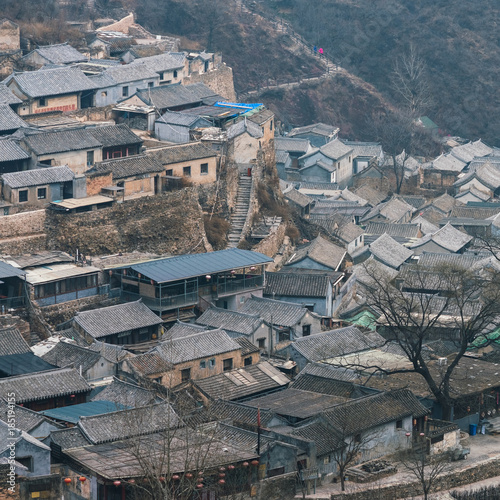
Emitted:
<point x="318" y="254"/>
<point x="59" y="54"/>
<point x="57" y="89"/>
<point x="384" y="249"/>
<point x="117" y="141"/>
<point x="176" y="127"/>
<point x="194" y="162"/>
<point x="169" y="66"/>
<point x="301" y="202"/>
<point x="318" y="134"/>
<point x="365" y="154"/>
<point x="245" y="140"/>
<point x="445" y="240"/>
<point x="10" y="121"/>
<point x="295" y="148"/>
<point x="12" y="288"/>
<point x="395" y="211"/>
<point x="349" y="210"/>
<point x="402" y="233"/>
<point x="349" y="235"/>
<point x="131" y="323"/>
<point x="484" y="178"/>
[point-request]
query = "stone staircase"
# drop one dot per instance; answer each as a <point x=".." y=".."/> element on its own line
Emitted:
<point x="240" y="214"/>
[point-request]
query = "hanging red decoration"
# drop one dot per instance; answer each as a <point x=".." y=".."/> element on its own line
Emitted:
<point x="199" y="486"/>
<point x="221" y="481"/>
<point x="222" y="474"/>
<point x="161" y="479"/>
<point x="189" y="475"/>
<point x="175" y="477"/>
<point x="200" y="473"/>
<point x="117" y="483"/>
<point x="230" y="467"/>
<point x="67" y="480"/>
<point x="222" y="469"/>
<point x="245" y="464"/>
<point x="131" y="481"/>
<point x="255" y="462"/>
<point x="82" y="479"/>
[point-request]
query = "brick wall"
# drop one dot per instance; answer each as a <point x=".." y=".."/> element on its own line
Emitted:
<point x="220" y="80"/>
<point x="96" y="182"/>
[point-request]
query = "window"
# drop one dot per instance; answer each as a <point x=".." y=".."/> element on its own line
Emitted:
<point x="161" y="75"/>
<point x="26" y="461"/>
<point x="261" y="343"/>
<point x="306" y="330"/>
<point x="23" y="196"/>
<point x="186" y="171"/>
<point x="104" y="93"/>
<point x="242" y="300"/>
<point x="203" y="364"/>
<point x="326" y="460"/>
<point x="124" y="91"/>
<point x="42" y="102"/>
<point x="399" y="424"/>
<point x="6" y="210"/>
<point x="169" y="171"/>
<point x="227" y="364"/>
<point x="211" y="363"/>
<point x="175" y="73"/>
<point x="204" y="169"/>
<point x="185" y="374"/>
<point x="41" y="193"/>
<point x="90" y="157"/>
<point x="150" y="85"/>
<point x="271" y="125"/>
<point x="248" y="361"/>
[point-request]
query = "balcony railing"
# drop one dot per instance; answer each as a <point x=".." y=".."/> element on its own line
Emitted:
<point x="165" y="303"/>
<point x="237" y="285"/>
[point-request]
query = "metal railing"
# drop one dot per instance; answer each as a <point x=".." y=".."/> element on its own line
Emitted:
<point x="170" y="302"/>
<point x="237" y="285"/>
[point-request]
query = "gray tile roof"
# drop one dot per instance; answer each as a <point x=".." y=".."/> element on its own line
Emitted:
<point x="466" y="260"/>
<point x="111" y="352"/>
<point x="149" y="363"/>
<point x="322" y="435"/>
<point x="282" y="313"/>
<point x="115" y="319"/>
<point x="301" y="285"/>
<point x="171" y="96"/>
<point x="325" y="345"/>
<point x="128" y="73"/>
<point x="480" y="195"/>
<point x="467" y="152"/>
<point x="121" y="168"/>
<point x="161" y="62"/>
<point x="11" y="151"/>
<point x="246" y="346"/>
<point x="393" y="210"/>
<point x="336" y="149"/>
<point x="9" y="120"/>
<point x="415" y="201"/>
<point x="196" y="346"/>
<point x="400" y="232"/>
<point x="231" y="321"/>
<point x="365" y="149"/>
<point x="338" y="226"/>
<point x="124" y="424"/>
<point x="7" y="97"/>
<point x="53" y="82"/>
<point x="329" y="385"/>
<point x="320" y="186"/>
<point x="181" y="153"/>
<point x="239" y="413"/>
<point x="315" y="128"/>
<point x="389" y="251"/>
<point x="177" y="118"/>
<point x="282" y="156"/>
<point x="65" y="354"/>
<point x="43" y="385"/>
<point x="488" y="174"/>
<point x="68" y="438"/>
<point x="26" y="420"/>
<point x="115" y="135"/>
<point x="126" y="394"/>
<point x="61" y="53"/>
<point x="12" y="342"/>
<point x="181" y="329"/>
<point x="366" y="413"/>
<point x="448" y="162"/>
<point x="472" y="212"/>
<point x="372" y="195"/>
<point x="447" y="237"/>
<point x="322" y="251"/>
<point x="37" y="177"/>
<point x="261" y="117"/>
<point x="351" y="196"/>
<point x="292" y="145"/>
<point x="243" y="126"/>
<point x="330" y="372"/>
<point x="298" y="198"/>
<point x="445" y="203"/>
<point x="321" y="164"/>
<point x="243" y="382"/>
<point x="425" y="225"/>
<point x="59" y="141"/>
<point x="8" y="271"/>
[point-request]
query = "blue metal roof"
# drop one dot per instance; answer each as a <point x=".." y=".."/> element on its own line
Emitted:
<point x="242" y="105"/>
<point x="73" y="413"/>
<point x="8" y="271"/>
<point x="20" y="364"/>
<point x="191" y="265"/>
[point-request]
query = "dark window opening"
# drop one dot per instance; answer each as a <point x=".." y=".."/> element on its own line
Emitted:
<point x="90" y="157"/>
<point x="204" y="169"/>
<point x="175" y="73"/>
<point x="185" y="374"/>
<point x="227" y="364"/>
<point x="357" y="438"/>
<point x="124" y="91"/>
<point x="23" y="196"/>
<point x="169" y="171"/>
<point x="261" y="343"/>
<point x="399" y="424"/>
<point x="42" y="101"/>
<point x="248" y="361"/>
<point x="186" y="171"/>
<point x="150" y="85"/>
<point x="41" y="193"/>
<point x="306" y="330"/>
<point x="26" y="461"/>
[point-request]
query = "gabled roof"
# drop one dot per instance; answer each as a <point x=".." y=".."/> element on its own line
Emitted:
<point x="335" y="149"/>
<point x="243" y="382"/>
<point x="474" y="192"/>
<point x="300" y="285"/>
<point x="61" y="53"/>
<point x="115" y="319"/>
<point x="361" y="414"/>
<point x="128" y="73"/>
<point x="321" y="164"/>
<point x="298" y="198"/>
<point x="149" y="363"/>
<point x="162" y="62"/>
<point x="196" y="346"/>
<point x="448" y="162"/>
<point x="389" y="251"/>
<point x="58" y="141"/>
<point x="190" y="265"/>
<point x="282" y="313"/>
<point x="178" y="118"/>
<point x="49" y="82"/>
<point x="127" y="394"/>
<point x="8" y="271"/>
<point x="9" y="120"/>
<point x="425" y="225"/>
<point x="121" y="168"/>
<point x="467" y="152"/>
<point x="365" y="149"/>
<point x="316" y="128"/>
<point x="26" y="420"/>
<point x="181" y="153"/>
<point x="485" y="211"/>
<point x="181" y="329"/>
<point x="11" y="151"/>
<point x="240" y="413"/>
<point x="115" y="135"/>
<point x="322" y="435"/>
<point x="447" y="237"/>
<point x="372" y="195"/>
<point x="43" y="385"/>
<point x="7" y="97"/>
<point x="393" y="210"/>
<point x="321" y="251"/>
<point x="402" y="233"/>
<point x="232" y="321"/>
<point x="445" y="203"/>
<point x="65" y="354"/>
<point x="37" y="177"/>
<point x="326" y="345"/>
<point x="12" y="342"/>
<point x="488" y="174"/>
<point x="292" y="145"/>
<point x="243" y="126"/>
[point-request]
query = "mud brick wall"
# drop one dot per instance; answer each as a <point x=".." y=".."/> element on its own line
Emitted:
<point x="22" y="224"/>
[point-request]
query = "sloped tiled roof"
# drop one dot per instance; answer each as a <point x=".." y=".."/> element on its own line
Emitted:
<point x="111" y="352"/>
<point x="181" y="153"/>
<point x="246" y="346"/>
<point x="115" y="135"/>
<point x="296" y="285"/>
<point x="232" y="321"/>
<point x="472" y="212"/>
<point x="321" y="251"/>
<point x="445" y="203"/>
<point x="282" y="313"/>
<point x="69" y="438"/>
<point x="335" y="149"/>
<point x="243" y="382"/>
<point x="298" y="198"/>
<point x="488" y="174"/>
<point x="196" y="346"/>
<point x="329" y="385"/>
<point x="126" y="394"/>
<point x="11" y="151"/>
<point x="334" y="343"/>
<point x="243" y="126"/>
<point x="467" y="152"/>
<point x="366" y="413"/>
<point x="402" y="233"/>
<point x="115" y="319"/>
<point x="425" y="225"/>
<point x="7" y="97"/>
<point x="49" y="82"/>
<point x="448" y="162"/>
<point x="121" y="168"/>
<point x="61" y="140"/>
<point x="372" y="195"/>
<point x="161" y="62"/>
<point x="393" y="210"/>
<point x="447" y="237"/>
<point x="149" y="363"/>
<point x="177" y="118"/>
<point x="125" y="73"/>
<point x="43" y="385"/>
<point x="61" y="53"/>
<point x="181" y="329"/>
<point x="37" y="177"/>
<point x="291" y="144"/>
<point x="325" y="439"/>
<point x="389" y="251"/>
<point x="9" y="120"/>
<point x="68" y="354"/>
<point x="12" y="342"/>
<point x="315" y="128"/>
<point x="239" y="413"/>
<point x="26" y="420"/>
<point x="365" y="149"/>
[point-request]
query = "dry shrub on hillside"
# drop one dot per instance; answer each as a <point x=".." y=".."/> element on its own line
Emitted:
<point x="216" y="230"/>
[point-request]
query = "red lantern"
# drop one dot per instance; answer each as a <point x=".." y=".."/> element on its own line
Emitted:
<point x="245" y="464"/>
<point x="222" y="474"/>
<point x="117" y="483"/>
<point x="131" y="481"/>
<point x="161" y="479"/>
<point x="152" y="282"/>
<point x="67" y="480"/>
<point x="199" y="486"/>
<point x="221" y="481"/>
<point x="189" y="475"/>
<point x="175" y="477"/>
<point x="72" y="396"/>
<point x="255" y="462"/>
<point x="408" y="434"/>
<point x="82" y="479"/>
<point x="222" y="469"/>
<point x="230" y="467"/>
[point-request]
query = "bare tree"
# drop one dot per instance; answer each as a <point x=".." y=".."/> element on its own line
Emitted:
<point x="462" y="304"/>
<point x="410" y="81"/>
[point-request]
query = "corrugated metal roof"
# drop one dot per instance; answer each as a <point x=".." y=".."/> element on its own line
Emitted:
<point x="190" y="265"/>
<point x="38" y="177"/>
<point x="8" y="271"/>
<point x="73" y="413"/>
<point x="58" y="272"/>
